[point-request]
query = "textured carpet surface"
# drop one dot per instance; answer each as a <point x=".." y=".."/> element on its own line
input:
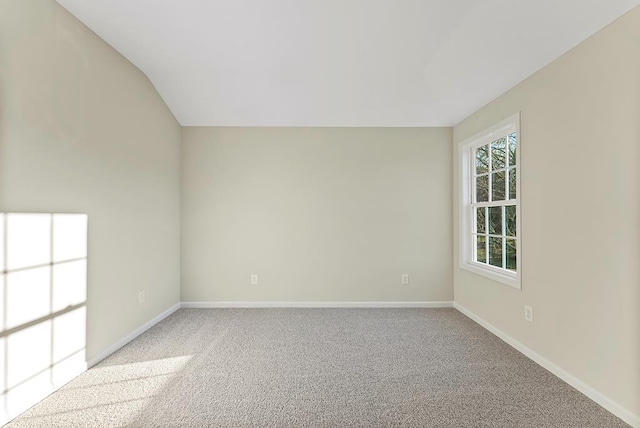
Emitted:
<point x="317" y="368"/>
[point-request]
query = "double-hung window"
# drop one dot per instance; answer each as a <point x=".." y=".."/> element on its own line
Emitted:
<point x="490" y="205"/>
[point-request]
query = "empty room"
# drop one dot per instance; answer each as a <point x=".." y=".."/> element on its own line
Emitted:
<point x="285" y="213"/>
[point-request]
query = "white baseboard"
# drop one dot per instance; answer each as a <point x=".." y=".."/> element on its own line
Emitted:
<point x="316" y="304"/>
<point x="613" y="407"/>
<point x="129" y="337"/>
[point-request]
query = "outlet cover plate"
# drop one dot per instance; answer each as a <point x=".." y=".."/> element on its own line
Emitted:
<point x="528" y="313"/>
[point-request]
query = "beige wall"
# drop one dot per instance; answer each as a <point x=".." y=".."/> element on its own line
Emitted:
<point x="580" y="214"/>
<point x="320" y="214"/>
<point x="83" y="130"/>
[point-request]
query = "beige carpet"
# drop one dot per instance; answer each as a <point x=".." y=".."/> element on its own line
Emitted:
<point x="317" y="368"/>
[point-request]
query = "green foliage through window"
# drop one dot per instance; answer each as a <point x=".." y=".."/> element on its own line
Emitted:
<point x="494" y="170"/>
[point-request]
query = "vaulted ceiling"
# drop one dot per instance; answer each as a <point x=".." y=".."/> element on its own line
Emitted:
<point x="339" y="62"/>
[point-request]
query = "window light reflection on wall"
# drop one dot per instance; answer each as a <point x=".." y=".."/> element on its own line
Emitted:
<point x="43" y="290"/>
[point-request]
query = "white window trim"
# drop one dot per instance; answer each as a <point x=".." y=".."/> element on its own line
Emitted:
<point x="512" y="279"/>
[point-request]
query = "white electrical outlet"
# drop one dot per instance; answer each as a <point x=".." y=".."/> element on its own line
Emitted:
<point x="254" y="279"/>
<point x="141" y="297"/>
<point x="528" y="313"/>
<point x="405" y="279"/>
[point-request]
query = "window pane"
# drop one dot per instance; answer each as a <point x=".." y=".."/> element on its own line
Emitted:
<point x="495" y="251"/>
<point x="498" y="152"/>
<point x="482" y="188"/>
<point x="498" y="186"/>
<point x="510" y="214"/>
<point x="512" y="184"/>
<point x="482" y="159"/>
<point x="495" y="220"/>
<point x="512" y="149"/>
<point x="481" y="225"/>
<point x="511" y="254"/>
<point x="481" y="249"/>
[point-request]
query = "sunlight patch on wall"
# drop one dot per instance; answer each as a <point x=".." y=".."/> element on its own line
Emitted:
<point x="43" y="291"/>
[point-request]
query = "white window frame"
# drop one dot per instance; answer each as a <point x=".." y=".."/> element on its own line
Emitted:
<point x="466" y="173"/>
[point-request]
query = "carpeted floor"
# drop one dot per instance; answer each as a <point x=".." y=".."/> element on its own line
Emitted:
<point x="317" y="368"/>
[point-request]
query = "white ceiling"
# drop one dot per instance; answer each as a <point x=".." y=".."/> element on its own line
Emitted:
<point x="339" y="62"/>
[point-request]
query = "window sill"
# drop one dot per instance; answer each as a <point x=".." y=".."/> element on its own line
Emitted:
<point x="512" y="280"/>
